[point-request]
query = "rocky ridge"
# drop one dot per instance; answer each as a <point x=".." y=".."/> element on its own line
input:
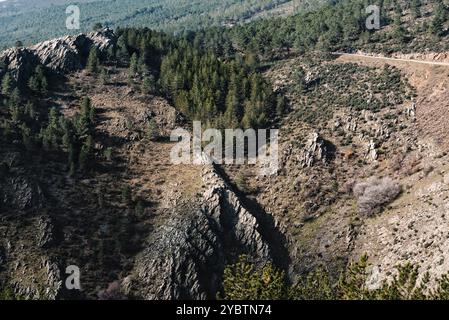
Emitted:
<point x="66" y="54"/>
<point x="186" y="257"/>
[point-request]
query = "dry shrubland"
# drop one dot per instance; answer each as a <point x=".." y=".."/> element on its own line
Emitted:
<point x="373" y="194"/>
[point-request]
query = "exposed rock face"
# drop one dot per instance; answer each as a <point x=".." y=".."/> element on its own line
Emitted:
<point x="64" y="54"/>
<point x="184" y="259"/>
<point x="351" y="124"/>
<point x="371" y="153"/>
<point x="53" y="280"/>
<point x="187" y="256"/>
<point x="411" y="111"/>
<point x="102" y="39"/>
<point x="44" y="232"/>
<point x="48" y="275"/>
<point x="20" y="193"/>
<point x="20" y="63"/>
<point x="315" y="151"/>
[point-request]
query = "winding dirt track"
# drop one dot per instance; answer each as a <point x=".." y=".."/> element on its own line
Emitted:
<point x="434" y="63"/>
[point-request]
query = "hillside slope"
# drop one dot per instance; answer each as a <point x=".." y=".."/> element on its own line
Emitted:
<point x="32" y="22"/>
<point x="86" y="177"/>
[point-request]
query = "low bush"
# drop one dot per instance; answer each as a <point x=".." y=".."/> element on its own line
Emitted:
<point x="373" y="194"/>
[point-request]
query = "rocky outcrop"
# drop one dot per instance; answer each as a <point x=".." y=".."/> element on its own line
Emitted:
<point x="316" y="150"/>
<point x="351" y="124"/>
<point x="44" y="234"/>
<point x="102" y="39"/>
<point x="44" y="284"/>
<point x="183" y="261"/>
<point x="187" y="256"/>
<point x="64" y="54"/>
<point x="411" y="111"/>
<point x="20" y="63"/>
<point x="371" y="153"/>
<point x="21" y="193"/>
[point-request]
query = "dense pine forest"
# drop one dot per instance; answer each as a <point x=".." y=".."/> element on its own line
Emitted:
<point x="31" y="22"/>
<point x="406" y="26"/>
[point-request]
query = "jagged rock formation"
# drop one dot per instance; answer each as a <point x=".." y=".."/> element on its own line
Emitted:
<point x="411" y="111"/>
<point x="48" y="275"/>
<point x="351" y="124"/>
<point x="21" y="193"/>
<point x="315" y="151"/>
<point x="64" y="54"/>
<point x="102" y="39"/>
<point x="20" y="63"/>
<point x="44" y="234"/>
<point x="187" y="256"/>
<point x="371" y="153"/>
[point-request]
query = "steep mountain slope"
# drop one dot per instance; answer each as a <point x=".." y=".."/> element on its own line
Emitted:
<point x="116" y="220"/>
<point x="326" y="156"/>
<point x="363" y="159"/>
<point x="414" y="228"/>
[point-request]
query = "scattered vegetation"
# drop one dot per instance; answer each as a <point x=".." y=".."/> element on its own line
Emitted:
<point x="374" y="194"/>
<point x="334" y="86"/>
<point x="8" y="294"/>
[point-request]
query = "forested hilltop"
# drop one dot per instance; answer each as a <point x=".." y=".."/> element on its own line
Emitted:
<point x="405" y="26"/>
<point x="34" y="21"/>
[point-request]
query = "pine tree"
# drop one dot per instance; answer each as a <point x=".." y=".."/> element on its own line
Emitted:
<point x="14" y="99"/>
<point x="16" y="113"/>
<point x="30" y="110"/>
<point x="440" y="16"/>
<point x="243" y="281"/>
<point x="87" y="111"/>
<point x="38" y="81"/>
<point x="142" y="66"/>
<point x="416" y="8"/>
<point x="97" y="26"/>
<point x="152" y="130"/>
<point x="33" y="84"/>
<point x="7" y="84"/>
<point x="86" y="154"/>
<point x="281" y="106"/>
<point x="148" y="84"/>
<point x="133" y="65"/>
<point x="111" y="53"/>
<point x="93" y="61"/>
<point x="44" y="86"/>
<point x="104" y="76"/>
<point x="27" y="139"/>
<point x="234" y="111"/>
<point x="299" y="79"/>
